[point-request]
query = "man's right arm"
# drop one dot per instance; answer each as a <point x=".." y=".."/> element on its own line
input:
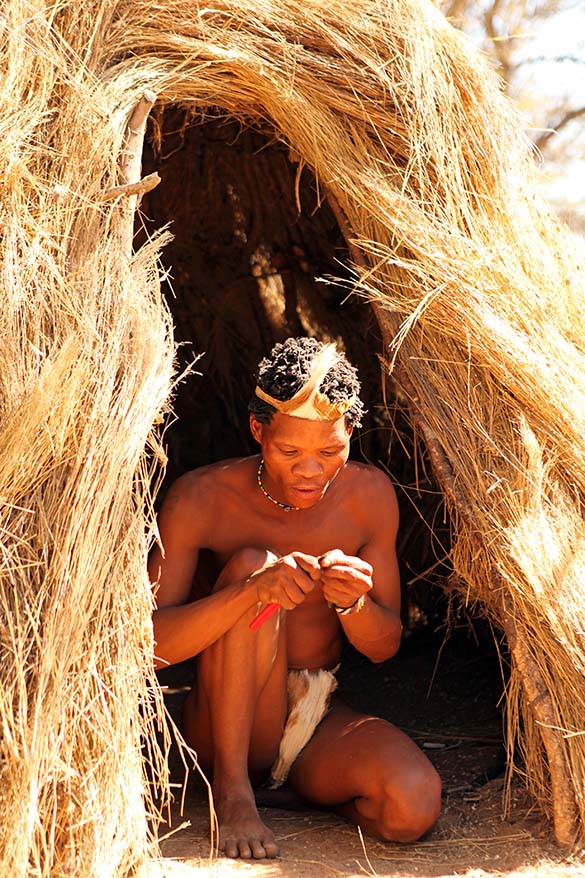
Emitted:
<point x="183" y="628"/>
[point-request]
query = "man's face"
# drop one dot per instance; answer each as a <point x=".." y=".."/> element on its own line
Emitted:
<point x="301" y="457"/>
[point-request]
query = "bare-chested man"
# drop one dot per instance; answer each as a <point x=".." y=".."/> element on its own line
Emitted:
<point x="300" y="527"/>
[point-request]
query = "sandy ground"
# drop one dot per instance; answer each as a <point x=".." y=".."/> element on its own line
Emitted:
<point x="458" y="723"/>
<point x="472" y="841"/>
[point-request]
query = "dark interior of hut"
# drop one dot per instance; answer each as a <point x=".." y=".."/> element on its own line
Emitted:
<point x="257" y="256"/>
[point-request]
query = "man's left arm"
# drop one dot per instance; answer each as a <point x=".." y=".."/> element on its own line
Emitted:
<point x="375" y="629"/>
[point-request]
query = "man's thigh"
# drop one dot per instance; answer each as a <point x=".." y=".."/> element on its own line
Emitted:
<point x="355" y="756"/>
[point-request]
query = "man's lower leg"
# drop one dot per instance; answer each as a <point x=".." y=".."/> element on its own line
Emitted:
<point x="233" y="675"/>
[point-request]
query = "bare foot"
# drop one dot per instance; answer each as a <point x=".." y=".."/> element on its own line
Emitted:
<point x="241" y="832"/>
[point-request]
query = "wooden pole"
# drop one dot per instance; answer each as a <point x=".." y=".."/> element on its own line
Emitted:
<point x="130" y="164"/>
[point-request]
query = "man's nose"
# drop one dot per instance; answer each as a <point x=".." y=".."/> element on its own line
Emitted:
<point x="308" y="467"/>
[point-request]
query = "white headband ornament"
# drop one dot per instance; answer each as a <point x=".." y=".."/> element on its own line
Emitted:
<point x="309" y="402"/>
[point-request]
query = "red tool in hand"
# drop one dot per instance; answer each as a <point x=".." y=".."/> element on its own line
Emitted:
<point x="264" y="614"/>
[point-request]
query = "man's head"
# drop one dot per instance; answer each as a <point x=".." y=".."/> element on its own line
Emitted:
<point x="304" y="433"/>
<point x="287" y="370"/>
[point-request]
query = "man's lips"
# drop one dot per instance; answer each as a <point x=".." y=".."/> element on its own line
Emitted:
<point x="307" y="489"/>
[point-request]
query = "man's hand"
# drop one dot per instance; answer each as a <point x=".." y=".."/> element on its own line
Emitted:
<point x="345" y="578"/>
<point x="288" y="580"/>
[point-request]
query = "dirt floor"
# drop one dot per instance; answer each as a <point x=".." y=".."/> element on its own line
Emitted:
<point x="446" y="696"/>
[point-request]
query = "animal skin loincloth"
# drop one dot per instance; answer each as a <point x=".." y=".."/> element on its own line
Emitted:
<point x="309" y="696"/>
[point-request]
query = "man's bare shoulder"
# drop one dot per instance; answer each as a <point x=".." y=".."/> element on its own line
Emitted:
<point x="371" y="478"/>
<point x="212" y="482"/>
<point x="374" y="488"/>
<point x="202" y="497"/>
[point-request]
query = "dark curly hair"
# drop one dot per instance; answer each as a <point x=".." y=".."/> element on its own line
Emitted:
<point x="287" y="369"/>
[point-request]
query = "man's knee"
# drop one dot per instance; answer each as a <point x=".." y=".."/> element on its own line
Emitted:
<point x="412" y="808"/>
<point x="242" y="564"/>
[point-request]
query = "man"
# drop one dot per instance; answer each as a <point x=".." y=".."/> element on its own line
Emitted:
<point x="300" y="531"/>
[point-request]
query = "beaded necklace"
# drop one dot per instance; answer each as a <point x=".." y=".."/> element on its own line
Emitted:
<point x="284" y="506"/>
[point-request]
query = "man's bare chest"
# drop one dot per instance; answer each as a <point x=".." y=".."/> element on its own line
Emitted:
<point x="312" y="533"/>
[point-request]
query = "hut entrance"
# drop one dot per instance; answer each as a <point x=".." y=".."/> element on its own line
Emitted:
<point x="252" y="242"/>
<point x="255" y="253"/>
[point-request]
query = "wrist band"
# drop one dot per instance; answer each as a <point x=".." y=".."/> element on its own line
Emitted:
<point x="354" y="608"/>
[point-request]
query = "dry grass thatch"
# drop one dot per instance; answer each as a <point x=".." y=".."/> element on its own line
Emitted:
<point x="409" y="137"/>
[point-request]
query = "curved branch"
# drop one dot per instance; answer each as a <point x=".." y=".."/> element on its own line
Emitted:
<point x="569" y="117"/>
<point x="497" y="39"/>
<point x="130" y="162"/>
<point x="553" y="59"/>
<point x="135" y="130"/>
<point x="139" y="188"/>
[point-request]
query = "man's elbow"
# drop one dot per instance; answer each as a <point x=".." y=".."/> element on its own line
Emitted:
<point x="381" y="650"/>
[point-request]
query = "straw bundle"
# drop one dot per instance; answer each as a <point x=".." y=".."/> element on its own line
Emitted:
<point x="421" y="157"/>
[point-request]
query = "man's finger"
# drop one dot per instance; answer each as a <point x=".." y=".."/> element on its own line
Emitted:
<point x="347" y="575"/>
<point x="305" y="579"/>
<point x="289" y="601"/>
<point x="309" y="564"/>
<point x="333" y="556"/>
<point x="336" y="558"/>
<point x="299" y="586"/>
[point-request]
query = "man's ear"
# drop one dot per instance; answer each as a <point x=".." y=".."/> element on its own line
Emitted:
<point x="256" y="428"/>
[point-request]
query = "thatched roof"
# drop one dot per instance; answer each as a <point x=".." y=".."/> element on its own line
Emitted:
<point x="478" y="295"/>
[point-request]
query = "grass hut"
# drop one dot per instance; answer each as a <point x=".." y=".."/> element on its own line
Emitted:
<point x="380" y="149"/>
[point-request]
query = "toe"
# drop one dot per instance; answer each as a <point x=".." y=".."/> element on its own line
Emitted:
<point x="230" y="848"/>
<point x="244" y="848"/>
<point x="271" y="848"/>
<point x="257" y="847"/>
